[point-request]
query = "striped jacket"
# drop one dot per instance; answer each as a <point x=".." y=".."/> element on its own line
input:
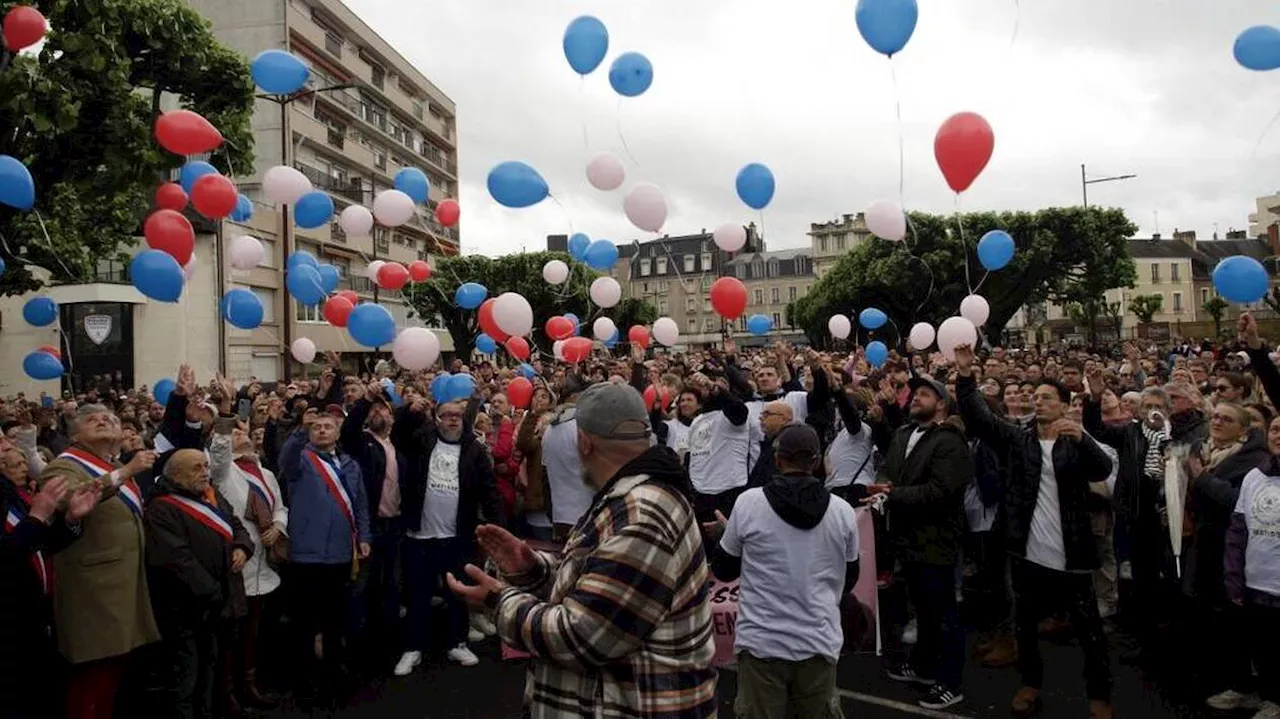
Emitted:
<point x="625" y="628"/>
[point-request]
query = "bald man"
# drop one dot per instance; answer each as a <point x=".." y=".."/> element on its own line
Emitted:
<point x="195" y="547"/>
<point x="773" y="417"/>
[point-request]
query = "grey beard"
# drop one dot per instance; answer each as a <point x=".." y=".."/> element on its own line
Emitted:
<point x="450" y="435"/>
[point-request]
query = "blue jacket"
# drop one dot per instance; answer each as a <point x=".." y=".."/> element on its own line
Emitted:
<point x="319" y="532"/>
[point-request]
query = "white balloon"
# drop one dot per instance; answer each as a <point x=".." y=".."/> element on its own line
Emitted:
<point x="557" y="350"/>
<point x="356" y="221"/>
<point x="666" y="331"/>
<point x="372" y="270"/>
<point x="246" y="252"/>
<point x="555" y="272"/>
<point x="284" y="185"/>
<point x="189" y="268"/>
<point x="646" y="207"/>
<point x="303" y="350"/>
<point x="605" y="172"/>
<point x="416" y="348"/>
<point x="606" y="292"/>
<point x="513" y="314"/>
<point x="922" y="335"/>
<point x="392" y="208"/>
<point x="603" y="328"/>
<point x="952" y="333"/>
<point x="840" y="327"/>
<point x="975" y="309"/>
<point x="886" y="220"/>
<point x="730" y="237"/>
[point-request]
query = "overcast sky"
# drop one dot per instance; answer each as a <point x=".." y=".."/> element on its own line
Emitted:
<point x="1147" y="87"/>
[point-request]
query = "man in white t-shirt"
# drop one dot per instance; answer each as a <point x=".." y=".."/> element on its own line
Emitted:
<point x="794" y="548"/>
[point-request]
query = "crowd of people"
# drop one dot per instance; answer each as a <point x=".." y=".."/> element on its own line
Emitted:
<point x="160" y="555"/>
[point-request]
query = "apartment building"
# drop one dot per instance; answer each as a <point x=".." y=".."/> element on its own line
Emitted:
<point x="774" y="280"/>
<point x="831" y="240"/>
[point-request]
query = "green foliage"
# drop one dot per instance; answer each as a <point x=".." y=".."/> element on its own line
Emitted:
<point x="1063" y="255"/>
<point x="1146" y="307"/>
<point x="1216" y="308"/>
<point x="521" y="274"/>
<point x="75" y="116"/>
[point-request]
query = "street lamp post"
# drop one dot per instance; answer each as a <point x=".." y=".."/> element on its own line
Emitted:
<point x="1085" y="182"/>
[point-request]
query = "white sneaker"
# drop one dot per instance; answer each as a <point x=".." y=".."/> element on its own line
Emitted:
<point x="437" y="601"/>
<point x="407" y="662"/>
<point x="1230" y="700"/>
<point x="910" y="633"/>
<point x="484" y="624"/>
<point x="475" y="636"/>
<point x="1268" y="710"/>
<point x="1125" y="570"/>
<point x="463" y="655"/>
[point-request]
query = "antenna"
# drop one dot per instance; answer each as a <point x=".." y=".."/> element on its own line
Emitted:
<point x="1156" y="213"/>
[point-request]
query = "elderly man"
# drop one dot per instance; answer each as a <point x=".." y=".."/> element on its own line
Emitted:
<point x="102" y="607"/>
<point x="625" y="612"/>
<point x="194" y="544"/>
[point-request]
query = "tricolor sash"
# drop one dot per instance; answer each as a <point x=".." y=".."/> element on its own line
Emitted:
<point x="333" y="483"/>
<point x="257" y="483"/>
<point x="98" y="468"/>
<point x="201" y="512"/>
<point x="11" y="522"/>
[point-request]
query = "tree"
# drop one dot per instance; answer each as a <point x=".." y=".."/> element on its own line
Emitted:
<point x="75" y="117"/>
<point x="1063" y="255"/>
<point x="521" y="274"/>
<point x="1146" y="307"/>
<point x="1216" y="308"/>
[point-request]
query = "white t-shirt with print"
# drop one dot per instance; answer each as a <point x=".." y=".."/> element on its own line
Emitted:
<point x="440" y="506"/>
<point x="719" y="453"/>
<point x="1259" y="502"/>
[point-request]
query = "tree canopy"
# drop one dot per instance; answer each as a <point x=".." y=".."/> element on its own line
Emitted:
<point x="521" y="274"/>
<point x="75" y="117"/>
<point x="1062" y="255"/>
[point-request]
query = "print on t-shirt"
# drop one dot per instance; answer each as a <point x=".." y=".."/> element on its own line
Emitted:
<point x="443" y="475"/>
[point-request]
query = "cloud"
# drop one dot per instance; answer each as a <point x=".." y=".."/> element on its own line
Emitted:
<point x="1145" y="87"/>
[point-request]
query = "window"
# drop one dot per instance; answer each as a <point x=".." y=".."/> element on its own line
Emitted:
<point x="268" y="299"/>
<point x="740" y="271"/>
<point x="706" y="261"/>
<point x="268" y="253"/>
<point x="381" y="239"/>
<point x="1173" y="271"/>
<point x="822" y="244"/>
<point x="688" y="263"/>
<point x="691" y="304"/>
<point x="840" y="243"/>
<point x="1155" y="273"/>
<point x="742" y="324"/>
<point x="802" y="265"/>
<point x="709" y="326"/>
<point x="662" y="305"/>
<point x="706" y="304"/>
<point x="380" y="158"/>
<point x="644" y="287"/>
<point x="692" y="325"/>
<point x="1204" y="295"/>
<point x="644" y="268"/>
<point x="757" y="268"/>
<point x="377" y="75"/>
<point x="307" y="314"/>
<point x="265" y="367"/>
<point x="777" y="320"/>
<point x="343" y="265"/>
<point x="706" y="283"/>
<point x="759" y="297"/>
<point x="333" y="43"/>
<point x="663" y="287"/>
<point x="791" y="294"/>
<point x="1177" y="303"/>
<point x="773" y="268"/>
<point x="773" y="295"/>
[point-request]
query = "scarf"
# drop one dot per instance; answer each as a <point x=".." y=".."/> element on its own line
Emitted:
<point x="1153" y="462"/>
<point x="255" y="509"/>
<point x="1214" y="456"/>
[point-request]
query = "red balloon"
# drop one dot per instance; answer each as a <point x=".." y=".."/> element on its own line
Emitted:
<point x="337" y="309"/>
<point x="392" y="276"/>
<point x="963" y="147"/>
<point x="184" y="132"/>
<point x="639" y="335"/>
<point x="559" y="328"/>
<point x="576" y="349"/>
<point x="520" y="392"/>
<point x="171" y="196"/>
<point x="517" y="347"/>
<point x="419" y="271"/>
<point x="214" y="196"/>
<point x="448" y="212"/>
<point x="24" y="26"/>
<point x="729" y="297"/>
<point x="350" y="296"/>
<point x="50" y="350"/>
<point x="651" y="397"/>
<point x="488" y="324"/>
<point x="169" y="231"/>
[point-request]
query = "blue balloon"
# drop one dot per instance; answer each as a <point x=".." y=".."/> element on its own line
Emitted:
<point x="40" y="311"/>
<point x="371" y="325"/>
<point x="578" y="245"/>
<point x="601" y="255"/>
<point x="1" y="266"/>
<point x="613" y="339"/>
<point x="470" y="295"/>
<point x="163" y="390"/>
<point x="17" y="189"/>
<point x="193" y="171"/>
<point x="887" y="25"/>
<point x="586" y="42"/>
<point x="278" y="72"/>
<point x="631" y="74"/>
<point x="877" y="353"/>
<point x="414" y="183"/>
<point x="485" y="344"/>
<point x="1258" y="48"/>
<point x="755" y="185"/>
<point x="390" y="388"/>
<point x="244" y="209"/>
<point x="242" y="308"/>
<point x="301" y="257"/>
<point x="313" y="210"/>
<point x="995" y="250"/>
<point x="329" y="278"/>
<point x="460" y="386"/>
<point x="1241" y="279"/>
<point x="303" y="283"/>
<point x="42" y="365"/>
<point x="872" y="318"/>
<point x="526" y="370"/>
<point x="157" y="275"/>
<point x="440" y="387"/>
<point x="515" y="184"/>
<point x="759" y="324"/>
<point x="577" y="323"/>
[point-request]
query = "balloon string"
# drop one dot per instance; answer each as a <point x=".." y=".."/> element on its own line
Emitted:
<point x="902" y="151"/>
<point x="48" y="240"/>
<point x="567" y="217"/>
<point x="964" y="244"/>
<point x="582" y="110"/>
<point x="1017" y="22"/>
<point x="623" y="137"/>
<point x="1265" y="132"/>
<point x="985" y="275"/>
<point x="65" y="345"/>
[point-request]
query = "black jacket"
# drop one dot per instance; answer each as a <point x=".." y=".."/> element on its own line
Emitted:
<point x="1135" y="494"/>
<point x="926" y="504"/>
<point x="27" y="610"/>
<point x="1210" y="501"/>
<point x="367" y="451"/>
<point x="1075" y="465"/>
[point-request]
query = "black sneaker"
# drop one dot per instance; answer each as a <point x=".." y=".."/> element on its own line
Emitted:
<point x="905" y="673"/>
<point x="940" y="697"/>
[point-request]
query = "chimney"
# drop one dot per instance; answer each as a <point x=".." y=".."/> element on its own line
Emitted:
<point x="1155" y="237"/>
<point x="557" y="243"/>
<point x="847" y="218"/>
<point x="1237" y="235"/>
<point x="1273" y="238"/>
<point x="1187" y="237"/>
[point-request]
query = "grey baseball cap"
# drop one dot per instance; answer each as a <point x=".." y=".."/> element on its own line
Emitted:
<point x="612" y="411"/>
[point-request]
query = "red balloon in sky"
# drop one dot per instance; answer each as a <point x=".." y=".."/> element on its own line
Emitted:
<point x="184" y="132"/>
<point x="559" y="328"/>
<point x="488" y="324"/>
<point x="729" y="297"/>
<point x="419" y="271"/>
<point x="517" y="347"/>
<point x="171" y="196"/>
<point x="351" y="296"/>
<point x="170" y="232"/>
<point x="638" y="335"/>
<point x="214" y="196"/>
<point x="520" y="392"/>
<point x="392" y="276"/>
<point x="651" y="396"/>
<point x="24" y="26"/>
<point x="963" y="148"/>
<point x="337" y="309"/>
<point x="448" y="212"/>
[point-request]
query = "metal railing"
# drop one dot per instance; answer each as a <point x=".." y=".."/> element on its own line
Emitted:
<point x="352" y="188"/>
<point x="337" y="137"/>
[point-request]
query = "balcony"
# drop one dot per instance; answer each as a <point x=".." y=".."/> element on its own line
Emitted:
<point x="336" y="234"/>
<point x="336" y="138"/>
<point x="437" y="158"/>
<point x="351" y="188"/>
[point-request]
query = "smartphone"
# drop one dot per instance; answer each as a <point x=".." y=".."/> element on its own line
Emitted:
<point x="245" y="409"/>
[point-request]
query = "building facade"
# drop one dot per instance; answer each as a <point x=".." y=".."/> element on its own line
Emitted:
<point x="773" y="281"/>
<point x="829" y="241"/>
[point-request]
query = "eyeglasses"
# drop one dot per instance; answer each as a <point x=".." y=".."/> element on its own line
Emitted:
<point x="1222" y="388"/>
<point x="1225" y="418"/>
<point x="450" y="415"/>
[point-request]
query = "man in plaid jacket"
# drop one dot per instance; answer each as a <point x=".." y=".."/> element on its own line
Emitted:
<point x="620" y="625"/>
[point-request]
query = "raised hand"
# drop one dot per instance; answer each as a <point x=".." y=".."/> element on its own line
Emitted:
<point x="186" y="382"/>
<point x="44" y="504"/>
<point x="141" y="462"/>
<point x="83" y="500"/>
<point x="964" y="359"/>
<point x="511" y="554"/>
<point x="1247" y="331"/>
